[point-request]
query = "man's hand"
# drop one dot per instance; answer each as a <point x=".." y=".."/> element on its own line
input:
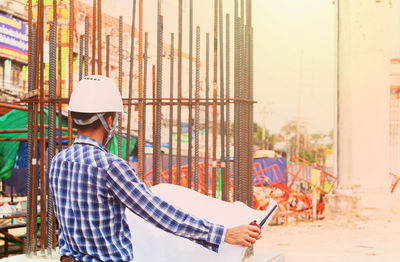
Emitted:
<point x="245" y="235"/>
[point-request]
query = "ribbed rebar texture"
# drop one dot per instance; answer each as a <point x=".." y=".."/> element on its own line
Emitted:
<point x="179" y="113"/>
<point x="236" y="106"/>
<point x="30" y="226"/>
<point x="251" y="87"/>
<point x="146" y="36"/>
<point x="207" y="116"/>
<point x="157" y="147"/>
<point x="228" y="107"/>
<point x="120" y="50"/>
<point x="51" y="130"/>
<point x="108" y="55"/>
<point x="80" y="57"/>
<point x="171" y="111"/>
<point x="197" y="112"/>
<point x="86" y="46"/>
<point x="190" y="120"/>
<point x="141" y="115"/>
<point x="222" y="105"/>
<point x="131" y="60"/>
<point x="246" y="122"/>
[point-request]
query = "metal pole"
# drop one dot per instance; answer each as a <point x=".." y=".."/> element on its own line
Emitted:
<point x="179" y="116"/>
<point x="99" y="43"/>
<point x="154" y="126"/>
<point x="228" y="110"/>
<point x="59" y="91"/>
<point x="70" y="62"/>
<point x="158" y="96"/>
<point x="52" y="130"/>
<point x="31" y="205"/>
<point x="246" y="122"/>
<point x="107" y="55"/>
<point x="43" y="207"/>
<point x="86" y="46"/>
<point x="197" y="111"/>
<point x="141" y="156"/>
<point x="190" y="122"/>
<point x="214" y="162"/>
<point x="94" y="38"/>
<point x="251" y="97"/>
<point x="236" y="109"/>
<point x="120" y="50"/>
<point x="80" y="57"/>
<point x="171" y="113"/>
<point x="221" y="82"/>
<point x="207" y="117"/>
<point x="132" y="55"/>
<point x="143" y="129"/>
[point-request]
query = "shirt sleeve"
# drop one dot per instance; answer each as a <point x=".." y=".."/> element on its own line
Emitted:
<point x="135" y="195"/>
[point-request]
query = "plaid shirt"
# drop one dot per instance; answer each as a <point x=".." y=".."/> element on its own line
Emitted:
<point x="91" y="189"/>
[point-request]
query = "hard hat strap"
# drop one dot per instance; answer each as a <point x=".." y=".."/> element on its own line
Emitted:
<point x="86" y="122"/>
<point x="110" y="131"/>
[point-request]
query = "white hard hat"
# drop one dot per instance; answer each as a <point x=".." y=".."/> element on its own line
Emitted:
<point x="95" y="94"/>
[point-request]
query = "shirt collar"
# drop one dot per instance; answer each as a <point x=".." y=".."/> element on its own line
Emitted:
<point x="89" y="141"/>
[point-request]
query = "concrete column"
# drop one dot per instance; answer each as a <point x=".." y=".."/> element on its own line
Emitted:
<point x="363" y="100"/>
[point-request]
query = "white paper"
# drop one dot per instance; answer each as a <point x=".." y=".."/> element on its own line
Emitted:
<point x="153" y="244"/>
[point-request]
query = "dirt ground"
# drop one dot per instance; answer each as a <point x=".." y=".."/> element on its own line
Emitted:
<point x="372" y="235"/>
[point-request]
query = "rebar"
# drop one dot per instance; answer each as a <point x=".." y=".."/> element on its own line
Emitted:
<point x="246" y="121"/>
<point x="99" y="43"/>
<point x="171" y="112"/>
<point x="52" y="131"/>
<point x="197" y="112"/>
<point x="214" y="149"/>
<point x="143" y="129"/>
<point x="120" y="50"/>
<point x="179" y="113"/>
<point x="251" y="97"/>
<point x="86" y="46"/>
<point x="43" y="194"/>
<point x="190" y="122"/>
<point x="132" y="55"/>
<point x="94" y="37"/>
<point x="59" y="91"/>
<point x="154" y="124"/>
<point x="157" y="138"/>
<point x="222" y="114"/>
<point x="80" y="57"/>
<point x="31" y="190"/>
<point x="108" y="55"/>
<point x="207" y="117"/>
<point x="70" y="63"/>
<point x="141" y="156"/>
<point x="228" y="110"/>
<point x="236" y="109"/>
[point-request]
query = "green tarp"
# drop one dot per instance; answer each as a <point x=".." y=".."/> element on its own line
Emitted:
<point x="17" y="119"/>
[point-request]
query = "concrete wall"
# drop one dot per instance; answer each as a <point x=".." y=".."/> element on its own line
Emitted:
<point x="363" y="97"/>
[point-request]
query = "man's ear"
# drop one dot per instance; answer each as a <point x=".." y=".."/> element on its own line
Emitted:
<point x="109" y="120"/>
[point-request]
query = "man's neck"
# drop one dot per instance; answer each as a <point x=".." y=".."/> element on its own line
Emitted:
<point x="97" y="134"/>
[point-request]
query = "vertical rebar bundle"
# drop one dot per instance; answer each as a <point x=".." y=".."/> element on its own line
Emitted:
<point x="222" y="95"/>
<point x="190" y="120"/>
<point x="143" y="129"/>
<point x="86" y="46"/>
<point x="141" y="156"/>
<point x="157" y="138"/>
<point x="171" y="112"/>
<point x="120" y="49"/>
<point x="80" y="57"/>
<point x="228" y="107"/>
<point x="214" y="134"/>
<point x="207" y="116"/>
<point x="52" y="130"/>
<point x="132" y="55"/>
<point x="179" y="113"/>
<point x="197" y="112"/>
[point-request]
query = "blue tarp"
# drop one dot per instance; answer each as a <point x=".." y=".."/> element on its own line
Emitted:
<point x="279" y="169"/>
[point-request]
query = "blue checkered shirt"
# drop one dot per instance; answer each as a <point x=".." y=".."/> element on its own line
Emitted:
<point x="91" y="189"/>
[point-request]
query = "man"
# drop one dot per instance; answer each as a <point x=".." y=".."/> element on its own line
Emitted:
<point x="92" y="188"/>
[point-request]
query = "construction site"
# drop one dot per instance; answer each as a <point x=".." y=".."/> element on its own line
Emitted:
<point x="290" y="108"/>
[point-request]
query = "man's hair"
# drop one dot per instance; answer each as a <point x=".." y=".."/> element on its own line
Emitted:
<point x="85" y="116"/>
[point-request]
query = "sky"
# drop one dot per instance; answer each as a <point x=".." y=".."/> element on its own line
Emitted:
<point x="294" y="52"/>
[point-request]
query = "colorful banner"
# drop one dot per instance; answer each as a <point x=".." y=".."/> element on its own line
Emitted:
<point x="13" y="38"/>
